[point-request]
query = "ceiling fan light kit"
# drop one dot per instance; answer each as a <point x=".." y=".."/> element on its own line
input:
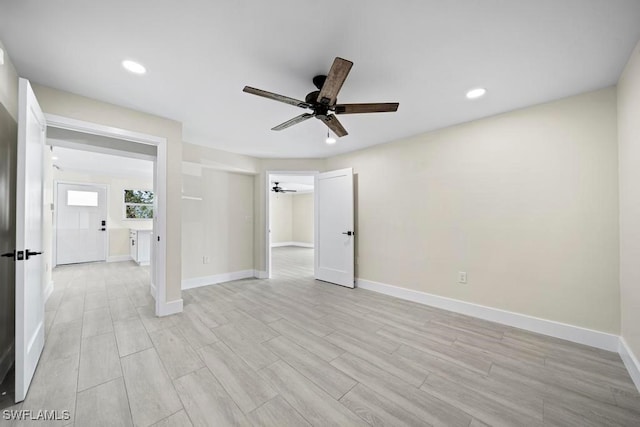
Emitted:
<point x="323" y="102"/>
<point x="330" y="140"/>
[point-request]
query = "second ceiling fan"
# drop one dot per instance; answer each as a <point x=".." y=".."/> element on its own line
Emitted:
<point x="323" y="101"/>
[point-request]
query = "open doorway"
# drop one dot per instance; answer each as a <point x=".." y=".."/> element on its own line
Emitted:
<point x="291" y="217"/>
<point x="102" y="210"/>
<point x="128" y="146"/>
<point x="103" y="207"/>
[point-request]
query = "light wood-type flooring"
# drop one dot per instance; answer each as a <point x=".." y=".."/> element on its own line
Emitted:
<point x="292" y="351"/>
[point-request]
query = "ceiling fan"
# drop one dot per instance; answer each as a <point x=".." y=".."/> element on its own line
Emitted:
<point x="277" y="189"/>
<point x="323" y="101"/>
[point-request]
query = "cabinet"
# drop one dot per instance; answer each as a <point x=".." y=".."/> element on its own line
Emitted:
<point x="140" y="245"/>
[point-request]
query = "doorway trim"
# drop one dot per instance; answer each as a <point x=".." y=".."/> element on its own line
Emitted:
<point x="267" y="219"/>
<point x="159" y="250"/>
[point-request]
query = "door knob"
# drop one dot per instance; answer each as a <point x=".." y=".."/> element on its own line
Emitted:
<point x="29" y="253"/>
<point x="102" y="229"/>
<point x="349" y="233"/>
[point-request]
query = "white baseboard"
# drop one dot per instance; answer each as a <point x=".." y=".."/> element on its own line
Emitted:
<point x="303" y="245"/>
<point x="299" y="244"/>
<point x="170" y="307"/>
<point x="279" y="245"/>
<point x="48" y="291"/>
<point x="119" y="258"/>
<point x="630" y="361"/>
<point x="197" y="282"/>
<point x="552" y="328"/>
<point x="259" y="274"/>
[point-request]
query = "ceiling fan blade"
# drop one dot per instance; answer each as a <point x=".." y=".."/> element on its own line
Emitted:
<point x="334" y="124"/>
<point x="336" y="77"/>
<point x="382" y="107"/>
<point x="289" y="191"/>
<point x="276" y="97"/>
<point x="294" y="121"/>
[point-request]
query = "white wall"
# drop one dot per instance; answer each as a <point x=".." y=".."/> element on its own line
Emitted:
<point x="196" y="160"/>
<point x="302" y="215"/>
<point x="629" y="158"/>
<point x="117" y="226"/>
<point x="525" y="202"/>
<point x="281" y="217"/>
<point x="218" y="214"/>
<point x="291" y="216"/>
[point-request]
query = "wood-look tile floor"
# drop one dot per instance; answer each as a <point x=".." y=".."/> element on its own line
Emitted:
<point x="292" y="351"/>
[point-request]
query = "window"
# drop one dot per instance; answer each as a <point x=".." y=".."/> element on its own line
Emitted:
<point x="82" y="198"/>
<point x="138" y="204"/>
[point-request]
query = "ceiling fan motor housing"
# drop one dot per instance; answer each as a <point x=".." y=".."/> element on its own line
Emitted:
<point x="312" y="97"/>
<point x="318" y="81"/>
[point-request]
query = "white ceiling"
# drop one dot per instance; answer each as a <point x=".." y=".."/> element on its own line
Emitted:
<point x="424" y="54"/>
<point x="69" y="159"/>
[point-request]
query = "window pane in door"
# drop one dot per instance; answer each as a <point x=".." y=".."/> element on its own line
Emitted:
<point x="82" y="198"/>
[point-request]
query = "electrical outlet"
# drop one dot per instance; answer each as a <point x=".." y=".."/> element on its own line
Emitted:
<point x="205" y="260"/>
<point x="462" y="277"/>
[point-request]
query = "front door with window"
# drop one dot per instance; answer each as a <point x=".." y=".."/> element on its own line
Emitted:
<point x="81" y="223"/>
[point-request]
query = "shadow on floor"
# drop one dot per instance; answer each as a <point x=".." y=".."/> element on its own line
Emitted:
<point x="7" y="389"/>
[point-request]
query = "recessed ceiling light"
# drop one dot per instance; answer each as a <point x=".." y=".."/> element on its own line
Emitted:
<point x="476" y="93"/>
<point x="134" y="67"/>
<point x="54" y="158"/>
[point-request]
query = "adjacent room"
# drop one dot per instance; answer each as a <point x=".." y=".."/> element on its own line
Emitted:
<point x="285" y="213"/>
<point x="103" y="207"/>
<point x="291" y="225"/>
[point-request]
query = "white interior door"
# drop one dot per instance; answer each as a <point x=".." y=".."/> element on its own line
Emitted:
<point x="335" y="236"/>
<point x="81" y="223"/>
<point x="29" y="267"/>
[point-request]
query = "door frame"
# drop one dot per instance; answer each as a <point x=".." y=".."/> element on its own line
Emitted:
<point x="159" y="249"/>
<point x="267" y="218"/>
<point x="54" y="237"/>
